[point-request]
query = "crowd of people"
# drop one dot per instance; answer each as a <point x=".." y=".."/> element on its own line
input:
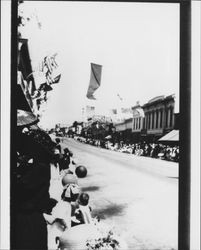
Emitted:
<point x="154" y="150"/>
<point x="46" y="198"/>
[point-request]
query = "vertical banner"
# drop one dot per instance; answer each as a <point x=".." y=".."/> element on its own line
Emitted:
<point x="95" y="80"/>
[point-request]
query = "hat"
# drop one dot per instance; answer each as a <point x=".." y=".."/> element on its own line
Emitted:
<point x="25" y="118"/>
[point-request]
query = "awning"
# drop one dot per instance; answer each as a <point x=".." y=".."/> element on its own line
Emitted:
<point x="172" y="136"/>
<point x="21" y="101"/>
<point x="26" y="118"/>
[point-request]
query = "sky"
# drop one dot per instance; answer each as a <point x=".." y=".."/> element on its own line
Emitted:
<point x="137" y="45"/>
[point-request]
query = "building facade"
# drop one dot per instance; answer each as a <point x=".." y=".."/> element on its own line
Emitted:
<point x="137" y="122"/>
<point x="150" y="121"/>
<point x="158" y="117"/>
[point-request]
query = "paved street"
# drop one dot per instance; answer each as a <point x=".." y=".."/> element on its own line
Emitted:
<point x="137" y="195"/>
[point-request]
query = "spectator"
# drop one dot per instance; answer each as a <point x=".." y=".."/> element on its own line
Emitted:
<point x="65" y="159"/>
<point x="83" y="212"/>
<point x="58" y="145"/>
<point x="60" y="218"/>
<point x="31" y="194"/>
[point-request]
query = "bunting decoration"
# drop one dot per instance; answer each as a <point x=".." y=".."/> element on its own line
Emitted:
<point x="50" y="68"/>
<point x="48" y="73"/>
<point x="95" y="80"/>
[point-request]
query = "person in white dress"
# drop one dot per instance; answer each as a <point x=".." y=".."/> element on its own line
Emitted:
<point x="60" y="218"/>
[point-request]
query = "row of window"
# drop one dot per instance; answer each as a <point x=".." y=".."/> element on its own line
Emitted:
<point x="155" y="120"/>
<point x="137" y="123"/>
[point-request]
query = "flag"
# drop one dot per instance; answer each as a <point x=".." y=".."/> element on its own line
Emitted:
<point x="39" y="79"/>
<point x="51" y="70"/>
<point x="45" y="87"/>
<point x="56" y="79"/>
<point x="95" y="80"/>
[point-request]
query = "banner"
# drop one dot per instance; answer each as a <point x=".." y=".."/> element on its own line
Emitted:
<point x="95" y="80"/>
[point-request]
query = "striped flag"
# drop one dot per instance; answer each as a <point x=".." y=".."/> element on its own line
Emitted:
<point x="95" y="80"/>
<point x="51" y="69"/>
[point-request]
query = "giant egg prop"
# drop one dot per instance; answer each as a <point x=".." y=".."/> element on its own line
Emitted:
<point x="69" y="179"/>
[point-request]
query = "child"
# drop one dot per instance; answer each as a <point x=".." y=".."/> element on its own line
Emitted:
<point x="60" y="218"/>
<point x="83" y="213"/>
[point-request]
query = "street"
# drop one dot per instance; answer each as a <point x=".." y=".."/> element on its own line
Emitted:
<point x="137" y="195"/>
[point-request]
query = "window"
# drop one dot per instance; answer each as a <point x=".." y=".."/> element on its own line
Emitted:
<point x="149" y="125"/>
<point x="156" y="118"/>
<point x="166" y="117"/>
<point x="153" y="118"/>
<point x="171" y="117"/>
<point x="161" y="118"/>
<point x="134" y="124"/>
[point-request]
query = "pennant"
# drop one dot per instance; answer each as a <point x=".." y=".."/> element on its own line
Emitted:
<point x="95" y="80"/>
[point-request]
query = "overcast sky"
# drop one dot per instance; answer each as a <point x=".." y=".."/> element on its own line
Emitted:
<point x="136" y="43"/>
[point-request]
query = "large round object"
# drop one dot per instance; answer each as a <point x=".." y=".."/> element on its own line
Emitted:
<point x="69" y="179"/>
<point x="81" y="171"/>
